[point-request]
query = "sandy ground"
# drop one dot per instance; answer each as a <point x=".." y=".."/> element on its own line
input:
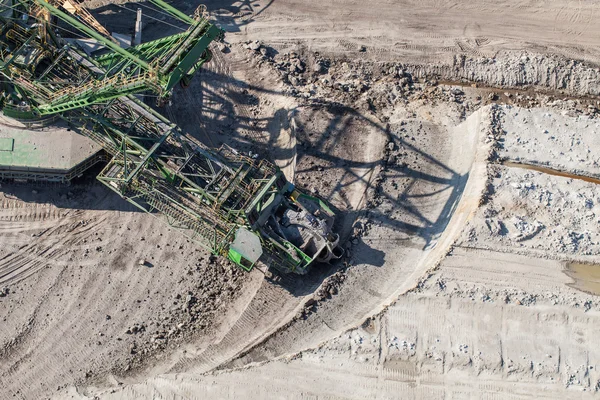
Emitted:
<point x="466" y="273"/>
<point x="422" y="30"/>
<point x="563" y="141"/>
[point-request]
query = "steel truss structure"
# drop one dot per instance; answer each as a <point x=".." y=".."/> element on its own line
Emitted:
<point x="232" y="205"/>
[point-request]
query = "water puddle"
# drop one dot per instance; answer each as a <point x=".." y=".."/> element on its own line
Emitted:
<point x="586" y="277"/>
<point x="550" y="171"/>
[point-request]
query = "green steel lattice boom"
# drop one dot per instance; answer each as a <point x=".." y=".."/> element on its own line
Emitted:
<point x="232" y="205"/>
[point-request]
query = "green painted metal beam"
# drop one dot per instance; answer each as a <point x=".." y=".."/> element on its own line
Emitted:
<point x="163" y="167"/>
<point x="103" y="95"/>
<point x="183" y="47"/>
<point x="4" y="66"/>
<point x="147" y="157"/>
<point x="190" y="60"/>
<point x="144" y="50"/>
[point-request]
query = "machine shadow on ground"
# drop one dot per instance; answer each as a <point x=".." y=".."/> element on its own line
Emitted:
<point x="222" y="120"/>
<point x="216" y="110"/>
<point x="231" y="15"/>
<point x="220" y="112"/>
<point x="220" y="116"/>
<point x="84" y="193"/>
<point x="407" y="204"/>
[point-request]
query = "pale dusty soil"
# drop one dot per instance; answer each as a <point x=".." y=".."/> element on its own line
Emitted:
<point x="454" y="282"/>
<point x="420" y="30"/>
<point x="561" y="140"/>
<point x="530" y="211"/>
<point x="75" y="288"/>
<point x="507" y="323"/>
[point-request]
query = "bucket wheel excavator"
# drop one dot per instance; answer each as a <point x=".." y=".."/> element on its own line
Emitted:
<point x="234" y="206"/>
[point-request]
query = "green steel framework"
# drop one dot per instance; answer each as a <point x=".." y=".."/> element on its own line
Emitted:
<point x="158" y="65"/>
<point x="209" y="196"/>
